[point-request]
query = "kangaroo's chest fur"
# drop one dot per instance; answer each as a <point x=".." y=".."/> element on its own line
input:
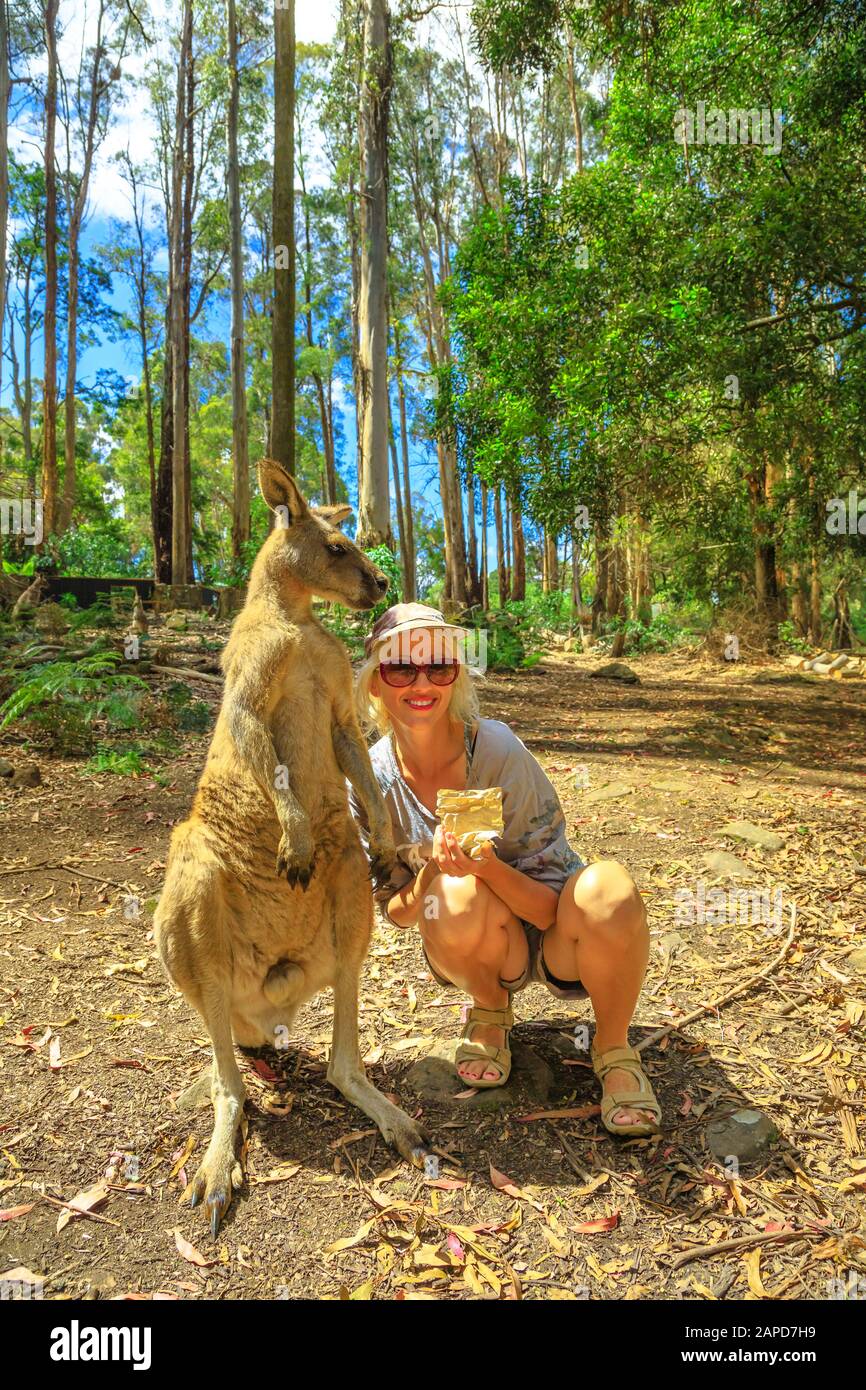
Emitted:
<point x="284" y="678"/>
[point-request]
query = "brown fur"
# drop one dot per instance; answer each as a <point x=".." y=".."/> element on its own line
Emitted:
<point x="267" y="896"/>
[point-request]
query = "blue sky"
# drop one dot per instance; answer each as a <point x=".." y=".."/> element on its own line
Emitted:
<point x="133" y="130"/>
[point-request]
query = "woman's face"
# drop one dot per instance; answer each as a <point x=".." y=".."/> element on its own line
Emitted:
<point x="417" y="706"/>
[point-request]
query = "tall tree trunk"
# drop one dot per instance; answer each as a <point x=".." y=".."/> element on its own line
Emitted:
<point x="501" y="563"/>
<point x="240" y="447"/>
<point x="410" y="577"/>
<point x="485" y="579"/>
<point x="471" y="540"/>
<point x="551" y="563"/>
<point x="572" y="97"/>
<point x="374" y="510"/>
<point x="164" y="502"/>
<point x="330" y="476"/>
<point x="576" y="572"/>
<point x="602" y="565"/>
<point x="180" y="502"/>
<point x="283" y="339"/>
<point x="77" y="206"/>
<point x="4" y="168"/>
<point x="766" y="592"/>
<point x="518" y="577"/>
<point x="50" y="498"/>
<point x="816" y="625"/>
<point x="398" y="503"/>
<point x="186" y="263"/>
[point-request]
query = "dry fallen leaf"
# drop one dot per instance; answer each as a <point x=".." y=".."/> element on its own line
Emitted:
<point x="83" y="1202"/>
<point x="190" y="1253"/>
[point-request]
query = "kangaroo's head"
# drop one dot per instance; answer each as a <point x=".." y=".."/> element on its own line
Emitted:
<point x="308" y="548"/>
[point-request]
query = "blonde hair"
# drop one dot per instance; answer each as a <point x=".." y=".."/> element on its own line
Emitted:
<point x="373" y="716"/>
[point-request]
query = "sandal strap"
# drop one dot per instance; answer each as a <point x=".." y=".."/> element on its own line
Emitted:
<point x="624" y="1058"/>
<point x="631" y="1100"/>
<point x="498" y="1018"/>
<point x="469" y="1049"/>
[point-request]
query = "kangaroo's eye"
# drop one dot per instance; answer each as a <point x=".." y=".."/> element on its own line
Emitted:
<point x="337" y="549"/>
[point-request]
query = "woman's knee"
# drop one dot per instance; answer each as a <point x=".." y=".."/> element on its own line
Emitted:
<point x="603" y="897"/>
<point x="457" y="912"/>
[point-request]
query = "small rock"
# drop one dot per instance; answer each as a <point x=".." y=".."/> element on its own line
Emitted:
<point x="176" y="621"/>
<point x="724" y="865"/>
<point x="434" y="1078"/>
<point x="742" y="1134"/>
<point x="27" y="776"/>
<point x="6" y="769"/>
<point x="614" y="791"/>
<point x="674" y="784"/>
<point x="616" y="671"/>
<point x="752" y="834"/>
<point x="857" y="961"/>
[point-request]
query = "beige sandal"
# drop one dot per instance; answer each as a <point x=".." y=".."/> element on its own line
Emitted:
<point x="626" y="1059"/>
<point x="469" y="1051"/>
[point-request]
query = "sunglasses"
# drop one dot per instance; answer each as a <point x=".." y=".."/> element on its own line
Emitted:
<point x="406" y="673"/>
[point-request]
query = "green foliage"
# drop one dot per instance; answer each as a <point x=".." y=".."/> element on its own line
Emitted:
<point x="99" y="615"/>
<point x="187" y="713"/>
<point x="129" y="763"/>
<point x="66" y="698"/>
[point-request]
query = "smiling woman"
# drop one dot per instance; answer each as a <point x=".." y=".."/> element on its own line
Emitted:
<point x="526" y="909"/>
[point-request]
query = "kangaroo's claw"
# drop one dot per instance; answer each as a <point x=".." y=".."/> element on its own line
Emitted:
<point x="215" y="1183"/>
<point x="296" y="874"/>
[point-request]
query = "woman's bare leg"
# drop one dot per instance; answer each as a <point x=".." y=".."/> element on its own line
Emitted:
<point x="600" y="937"/>
<point x="474" y="940"/>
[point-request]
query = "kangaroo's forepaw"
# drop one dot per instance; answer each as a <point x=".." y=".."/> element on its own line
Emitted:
<point x="215" y="1183"/>
<point x="382" y="859"/>
<point x="298" y="868"/>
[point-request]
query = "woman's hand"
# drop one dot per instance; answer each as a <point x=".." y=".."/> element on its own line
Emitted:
<point x="451" y="859"/>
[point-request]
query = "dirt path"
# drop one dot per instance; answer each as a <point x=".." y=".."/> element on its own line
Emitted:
<point x="95" y="1047"/>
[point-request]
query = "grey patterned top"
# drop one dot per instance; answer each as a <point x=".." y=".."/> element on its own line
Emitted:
<point x="533" y="840"/>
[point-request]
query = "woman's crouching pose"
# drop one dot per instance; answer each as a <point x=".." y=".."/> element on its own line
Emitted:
<point x="529" y="910"/>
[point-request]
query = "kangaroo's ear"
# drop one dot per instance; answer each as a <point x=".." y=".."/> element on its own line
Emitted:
<point x="281" y="492"/>
<point x="335" y="512"/>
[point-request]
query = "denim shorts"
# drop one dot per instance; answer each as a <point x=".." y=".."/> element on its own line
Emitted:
<point x="534" y="973"/>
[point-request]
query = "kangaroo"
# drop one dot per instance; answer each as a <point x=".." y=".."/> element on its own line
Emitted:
<point x="267" y="897"/>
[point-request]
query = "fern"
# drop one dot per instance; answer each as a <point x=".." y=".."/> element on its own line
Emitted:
<point x="91" y="683"/>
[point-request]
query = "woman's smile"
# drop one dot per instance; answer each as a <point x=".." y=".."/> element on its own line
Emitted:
<point x="420" y="702"/>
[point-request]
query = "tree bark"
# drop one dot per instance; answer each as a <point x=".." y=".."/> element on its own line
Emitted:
<point x="240" y="446"/>
<point x="50" y="498"/>
<point x="602" y="565"/>
<point x="180" y="501"/>
<point x="374" y="509"/>
<point x="485" y="580"/>
<point x="398" y="502"/>
<point x="550" y="580"/>
<point x="501" y="564"/>
<point x="77" y="206"/>
<point x="4" y="168"/>
<point x="283" y="337"/>
<point x="410" y="577"/>
<point x="572" y="97"/>
<point x="474" y="594"/>
<point x="518" y="577"/>
<point x="816" y="625"/>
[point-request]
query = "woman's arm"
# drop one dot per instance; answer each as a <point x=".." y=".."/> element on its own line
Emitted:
<point x="405" y="906"/>
<point x="533" y="901"/>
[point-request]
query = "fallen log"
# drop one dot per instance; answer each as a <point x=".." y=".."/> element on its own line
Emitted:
<point x="187" y="673"/>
